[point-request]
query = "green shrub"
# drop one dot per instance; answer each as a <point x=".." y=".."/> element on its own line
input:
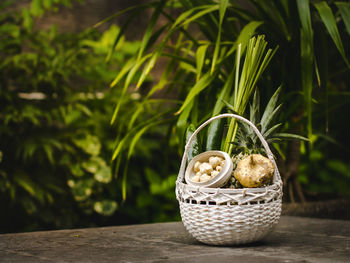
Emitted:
<point x="56" y="139"/>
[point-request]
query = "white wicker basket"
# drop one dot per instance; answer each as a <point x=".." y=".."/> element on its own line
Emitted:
<point x="222" y="216"/>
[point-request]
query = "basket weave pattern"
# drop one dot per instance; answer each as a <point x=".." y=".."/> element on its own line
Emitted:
<point x="229" y="225"/>
<point x="219" y="216"/>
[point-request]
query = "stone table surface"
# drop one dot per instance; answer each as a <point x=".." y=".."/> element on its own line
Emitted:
<point x="295" y="239"/>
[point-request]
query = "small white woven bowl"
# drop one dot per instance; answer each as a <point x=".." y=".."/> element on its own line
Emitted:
<point x="218" y="180"/>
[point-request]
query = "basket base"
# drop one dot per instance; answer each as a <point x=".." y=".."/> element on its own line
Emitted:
<point x="230" y="224"/>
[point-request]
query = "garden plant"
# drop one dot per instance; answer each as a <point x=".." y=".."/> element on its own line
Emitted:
<point x="89" y="135"/>
<point x="201" y="44"/>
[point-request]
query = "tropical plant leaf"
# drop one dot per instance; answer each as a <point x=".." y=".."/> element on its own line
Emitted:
<point x="125" y="69"/>
<point x="222" y="9"/>
<point x="270" y="110"/>
<point x="271" y="130"/>
<point x="289" y="136"/>
<point x="195" y="146"/>
<point x="182" y="20"/>
<point x="224" y="93"/>
<point x="150" y="27"/>
<point x="140" y="7"/>
<point x="344" y="10"/>
<point x="182" y="121"/>
<point x="244" y="36"/>
<point x="198" y="87"/>
<point x="121" y="34"/>
<point x="328" y="19"/>
<point x="307" y="58"/>
<point x="254" y="111"/>
<point x="255" y="62"/>
<point x="200" y="57"/>
<point x="137" y="137"/>
<point x="214" y="135"/>
<point x="132" y="71"/>
<point x="128" y="137"/>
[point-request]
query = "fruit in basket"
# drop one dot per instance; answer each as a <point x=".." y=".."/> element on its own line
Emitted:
<point x="205" y="171"/>
<point x="254" y="170"/>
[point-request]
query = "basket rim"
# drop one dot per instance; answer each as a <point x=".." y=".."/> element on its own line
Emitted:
<point x="275" y="185"/>
<point x="181" y="174"/>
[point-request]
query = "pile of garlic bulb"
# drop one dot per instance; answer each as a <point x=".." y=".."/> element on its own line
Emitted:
<point x="205" y="171"/>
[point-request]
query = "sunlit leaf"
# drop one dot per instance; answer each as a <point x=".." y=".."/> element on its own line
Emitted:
<point x="93" y="164"/>
<point x="103" y="174"/>
<point x="89" y="143"/>
<point x="105" y="207"/>
<point x="200" y="56"/>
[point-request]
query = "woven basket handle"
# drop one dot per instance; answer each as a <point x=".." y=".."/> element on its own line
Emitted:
<point x="226" y="115"/>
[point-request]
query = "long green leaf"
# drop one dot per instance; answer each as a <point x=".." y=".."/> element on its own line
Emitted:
<point x="195" y="146"/>
<point x="224" y="93"/>
<point x="121" y="144"/>
<point x="271" y="130"/>
<point x="124" y="181"/>
<point x="121" y="34"/>
<point x="307" y="58"/>
<point x="131" y="146"/>
<point x="133" y="69"/>
<point x="150" y="27"/>
<point x="200" y="57"/>
<point x="138" y="135"/>
<point x="125" y="69"/>
<point x="222" y="9"/>
<point x="182" y="120"/>
<point x="182" y="20"/>
<point x="164" y="79"/>
<point x="344" y="10"/>
<point x="214" y="135"/>
<point x="243" y="38"/>
<point x="254" y="109"/>
<point x="268" y="113"/>
<point x="198" y="87"/>
<point x="289" y="136"/>
<point x="329" y="21"/>
<point x="304" y="14"/>
<point x="140" y="7"/>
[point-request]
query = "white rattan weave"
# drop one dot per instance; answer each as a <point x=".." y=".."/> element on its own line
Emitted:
<point x="221" y="216"/>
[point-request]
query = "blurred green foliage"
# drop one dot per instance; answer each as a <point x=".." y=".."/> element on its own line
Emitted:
<point x="56" y="139"/>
